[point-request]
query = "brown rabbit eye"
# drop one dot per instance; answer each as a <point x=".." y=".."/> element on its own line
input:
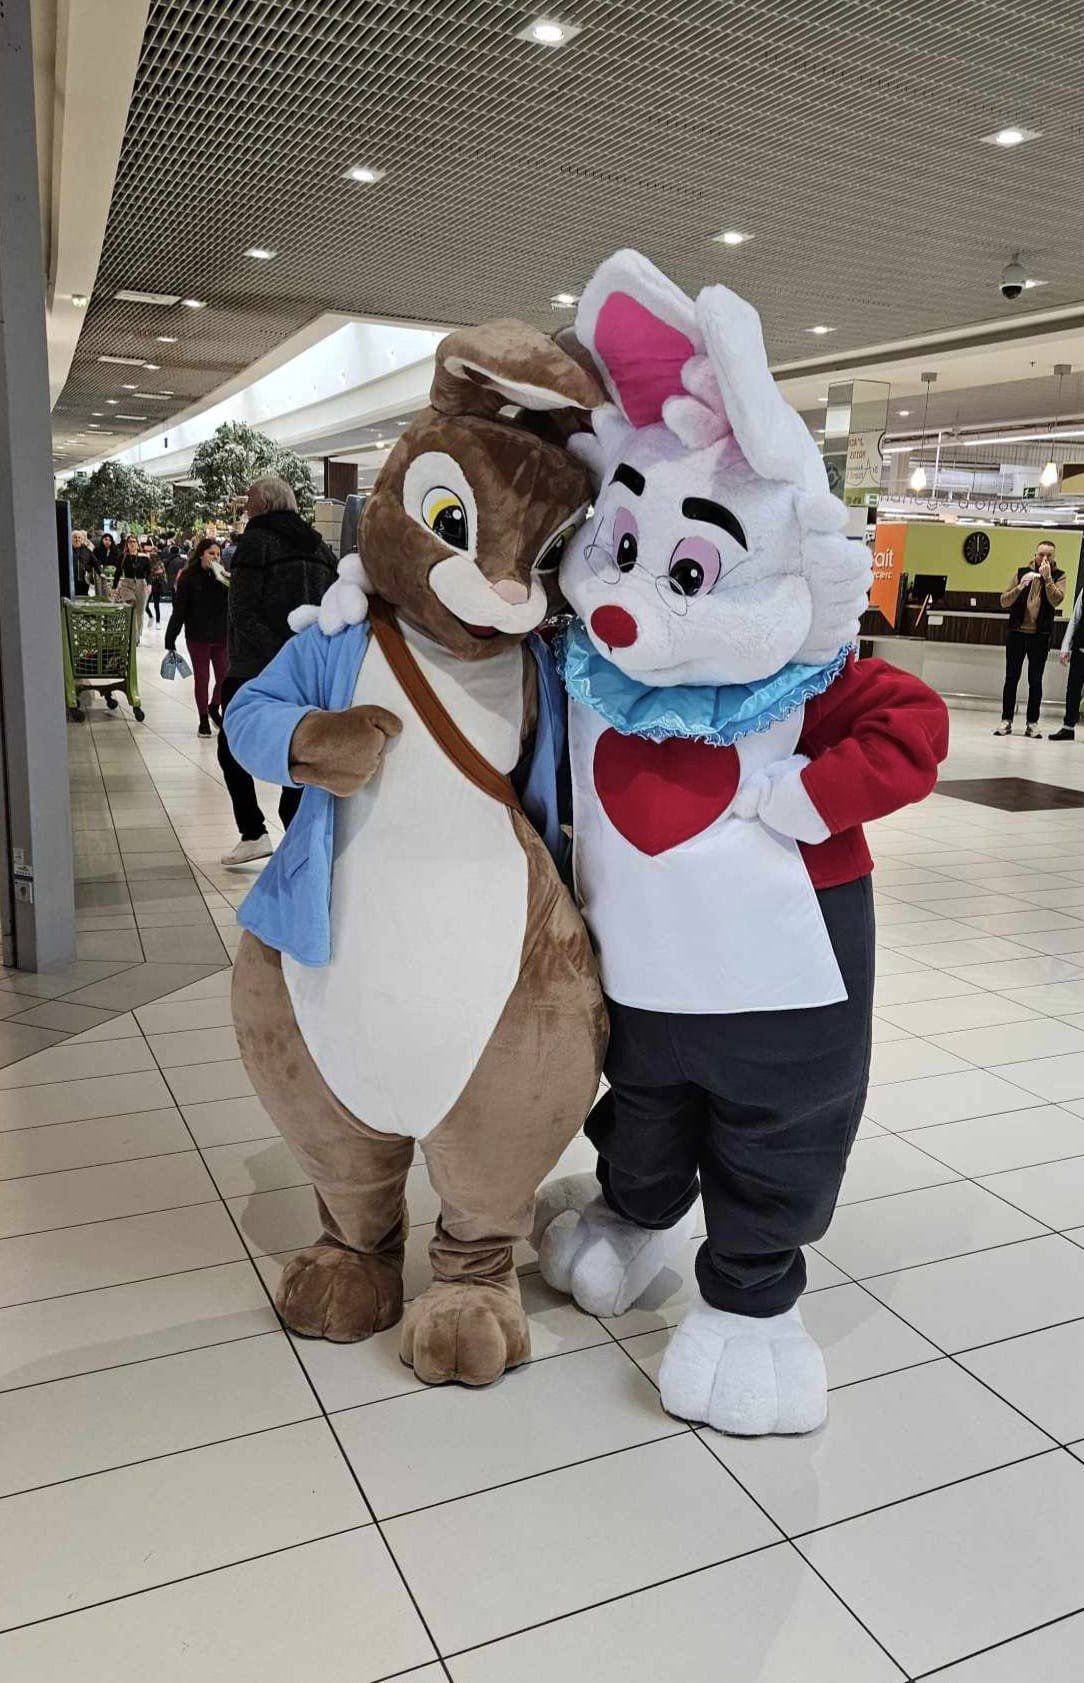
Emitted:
<point x="445" y="516"/>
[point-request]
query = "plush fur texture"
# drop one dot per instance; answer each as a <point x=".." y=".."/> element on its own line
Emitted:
<point x="743" y="1375"/>
<point x="466" y="1332"/>
<point x="341" y="751"/>
<point x="588" y="1251"/>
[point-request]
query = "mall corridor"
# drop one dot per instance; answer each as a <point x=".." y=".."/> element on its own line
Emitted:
<point x="189" y="1492"/>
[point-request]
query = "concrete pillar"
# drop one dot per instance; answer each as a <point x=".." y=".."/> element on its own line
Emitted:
<point x="854" y="430"/>
<point x="36" y="873"/>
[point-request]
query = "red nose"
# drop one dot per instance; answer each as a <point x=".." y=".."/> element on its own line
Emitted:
<point x="614" y="627"/>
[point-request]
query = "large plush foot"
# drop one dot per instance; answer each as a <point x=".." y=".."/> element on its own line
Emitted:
<point x="466" y="1330"/>
<point x="601" y="1260"/>
<point x="329" y="1292"/>
<point x="744" y="1375"/>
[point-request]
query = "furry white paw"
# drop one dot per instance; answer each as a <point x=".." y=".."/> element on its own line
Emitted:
<point x="744" y="1375"/>
<point x="588" y="1251"/>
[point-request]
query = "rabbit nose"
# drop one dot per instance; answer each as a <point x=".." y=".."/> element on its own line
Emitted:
<point x="614" y="627"/>
<point x="512" y="592"/>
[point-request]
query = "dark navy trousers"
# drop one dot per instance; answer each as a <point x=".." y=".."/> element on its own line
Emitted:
<point x="756" y="1110"/>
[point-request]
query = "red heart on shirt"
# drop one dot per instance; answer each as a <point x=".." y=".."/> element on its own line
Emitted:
<point x="660" y="794"/>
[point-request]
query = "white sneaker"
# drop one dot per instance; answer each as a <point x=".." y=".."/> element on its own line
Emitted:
<point x="247" y="851"/>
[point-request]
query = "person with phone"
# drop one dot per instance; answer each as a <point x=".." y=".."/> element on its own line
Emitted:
<point x="1032" y="597"/>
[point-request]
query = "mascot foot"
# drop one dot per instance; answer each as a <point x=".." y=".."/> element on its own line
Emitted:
<point x="466" y="1330"/>
<point x="343" y="1295"/>
<point x="744" y="1375"/>
<point x="601" y="1260"/>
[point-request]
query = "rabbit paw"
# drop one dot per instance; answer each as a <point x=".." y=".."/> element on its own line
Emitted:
<point x="603" y="1262"/>
<point x="745" y="1375"/>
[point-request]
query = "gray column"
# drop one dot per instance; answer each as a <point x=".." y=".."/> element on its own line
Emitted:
<point x="36" y="897"/>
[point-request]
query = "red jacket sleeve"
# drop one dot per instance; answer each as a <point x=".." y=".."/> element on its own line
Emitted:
<point x="875" y="739"/>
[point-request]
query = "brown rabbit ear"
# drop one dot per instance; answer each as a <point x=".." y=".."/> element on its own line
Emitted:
<point x="481" y="370"/>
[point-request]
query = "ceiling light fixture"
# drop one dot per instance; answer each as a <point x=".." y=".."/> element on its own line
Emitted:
<point x="194" y="303"/>
<point x="166" y="338"/>
<point x="152" y="367"/>
<point x="1051" y="472"/>
<point x="112" y="401"/>
<point x="731" y="236"/>
<point x="1012" y="135"/>
<point x="165" y="299"/>
<point x="820" y="330"/>
<point x="123" y="361"/>
<point x="80" y="300"/>
<point x="363" y="173"/>
<point x="131" y="417"/>
<point x="548" y="32"/>
<point x="903" y="412"/>
<point x="564" y="300"/>
<point x="262" y="253"/>
<point x="917" y="480"/>
<point x="126" y="387"/>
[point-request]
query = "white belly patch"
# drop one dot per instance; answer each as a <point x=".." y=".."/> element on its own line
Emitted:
<point x="428" y="904"/>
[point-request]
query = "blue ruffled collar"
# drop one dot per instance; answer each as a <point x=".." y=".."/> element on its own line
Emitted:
<point x="719" y="715"/>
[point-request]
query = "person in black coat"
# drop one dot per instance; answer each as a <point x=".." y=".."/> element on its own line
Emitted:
<point x="201" y="609"/>
<point x="280" y="563"/>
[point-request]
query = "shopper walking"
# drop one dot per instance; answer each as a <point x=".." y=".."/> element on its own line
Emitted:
<point x="157" y="581"/>
<point x="1071" y="655"/>
<point x="84" y="564"/>
<point x="1032" y="597"/>
<point x="280" y="563"/>
<point x="201" y="611"/>
<point x="105" y="554"/>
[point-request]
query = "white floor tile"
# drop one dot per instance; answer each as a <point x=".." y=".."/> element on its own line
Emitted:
<point x="112" y="1418"/>
<point x="885" y="1440"/>
<point x="118" y="1324"/>
<point x="956" y="1555"/>
<point x="764" y="1619"/>
<point x="285" y="1220"/>
<point x="925" y="1226"/>
<point x="902" y="984"/>
<point x="228" y="1121"/>
<point x="983" y="958"/>
<point x="72" y="1545"/>
<point x="76" y="1101"/>
<point x="76" y="1063"/>
<point x="451" y="1441"/>
<point x="859" y="1336"/>
<point x="224" y="1079"/>
<point x="170" y="1016"/>
<point x="1049" y="1655"/>
<point x="185" y="1047"/>
<point x="80" y="1145"/>
<point x="1040" y="1374"/>
<point x="942" y="1098"/>
<point x="335" y="1608"/>
<point x="1042" y="1038"/>
<point x="108" y="1253"/>
<point x="1050" y="999"/>
<point x="1017" y="974"/>
<point x="261" y="1165"/>
<point x="1054" y="1078"/>
<point x="1013" y="1139"/>
<point x="1051" y="1192"/>
<point x="496" y="1563"/>
<point x="969" y="1010"/>
<point x="973" y="1300"/>
<point x="887" y="1164"/>
<point x="908" y="1060"/>
<point x="39" y="1203"/>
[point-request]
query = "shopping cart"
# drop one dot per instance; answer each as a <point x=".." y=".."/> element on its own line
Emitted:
<point x="99" y="653"/>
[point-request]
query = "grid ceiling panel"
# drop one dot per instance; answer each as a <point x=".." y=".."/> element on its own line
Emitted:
<point x="844" y="134"/>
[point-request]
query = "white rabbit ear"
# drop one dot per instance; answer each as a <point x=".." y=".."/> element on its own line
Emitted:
<point x="771" y="436"/>
<point x="641" y="330"/>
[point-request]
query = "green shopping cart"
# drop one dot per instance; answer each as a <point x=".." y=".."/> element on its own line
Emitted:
<point x="99" y="653"/>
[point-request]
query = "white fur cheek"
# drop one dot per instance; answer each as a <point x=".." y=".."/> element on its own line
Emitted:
<point x="748" y="634"/>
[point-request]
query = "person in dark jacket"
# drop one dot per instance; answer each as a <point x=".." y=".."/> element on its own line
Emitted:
<point x="280" y="563"/>
<point x="105" y="554"/>
<point x="1032" y="597"/>
<point x="84" y="563"/>
<point x="201" y="610"/>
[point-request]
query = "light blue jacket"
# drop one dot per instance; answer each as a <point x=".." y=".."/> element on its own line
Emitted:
<point x="290" y="905"/>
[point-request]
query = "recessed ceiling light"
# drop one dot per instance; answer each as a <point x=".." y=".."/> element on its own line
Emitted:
<point x="903" y="412"/>
<point x="80" y="300"/>
<point x="112" y="402"/>
<point x="98" y="414"/>
<point x="166" y="338"/>
<point x="820" y="330"/>
<point x="262" y="253"/>
<point x="194" y="303"/>
<point x="123" y="361"/>
<point x="1011" y="135"/>
<point x="731" y="236"/>
<point x="163" y="298"/>
<point x="127" y="387"/>
<point x="131" y="417"/>
<point x="152" y="367"/>
<point x="94" y="427"/>
<point x="548" y="32"/>
<point x="364" y="173"/>
<point x="564" y="300"/>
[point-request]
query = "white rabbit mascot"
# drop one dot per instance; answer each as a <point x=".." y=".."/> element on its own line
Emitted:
<point x="726" y="749"/>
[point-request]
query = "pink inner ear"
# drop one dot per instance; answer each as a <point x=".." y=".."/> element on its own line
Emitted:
<point x="643" y="356"/>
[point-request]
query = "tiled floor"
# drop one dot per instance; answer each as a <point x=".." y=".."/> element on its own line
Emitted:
<point x="186" y="1493"/>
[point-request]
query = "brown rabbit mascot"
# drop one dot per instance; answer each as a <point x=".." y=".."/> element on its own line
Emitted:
<point x="413" y="968"/>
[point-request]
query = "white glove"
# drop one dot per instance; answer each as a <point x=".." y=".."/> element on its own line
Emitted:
<point x="778" y="798"/>
<point x="344" y="602"/>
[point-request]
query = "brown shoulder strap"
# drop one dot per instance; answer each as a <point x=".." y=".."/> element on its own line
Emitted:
<point x="431" y="710"/>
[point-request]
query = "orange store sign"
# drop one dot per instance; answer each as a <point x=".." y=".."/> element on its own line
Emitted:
<point x="888" y="542"/>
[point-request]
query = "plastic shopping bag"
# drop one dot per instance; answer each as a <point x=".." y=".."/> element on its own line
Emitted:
<point x="175" y="665"/>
